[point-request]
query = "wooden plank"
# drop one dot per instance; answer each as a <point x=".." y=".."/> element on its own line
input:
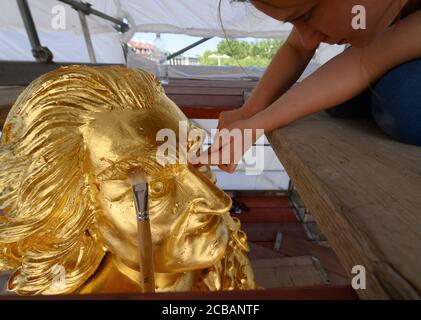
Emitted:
<point x="221" y="91"/>
<point x="266" y="232"/>
<point x="292" y="246"/>
<point x="207" y="100"/>
<point x="295" y="247"/>
<point x="21" y="73"/>
<point x="195" y="102"/>
<point x="265" y="201"/>
<point x="191" y="111"/>
<point x="204" y="112"/>
<point x="269" y="245"/>
<point x="268" y="215"/>
<point x="292" y="293"/>
<point x="244" y="84"/>
<point x="286" y="272"/>
<point x="271" y="272"/>
<point x="260" y="252"/>
<point x="364" y="190"/>
<point x="8" y="97"/>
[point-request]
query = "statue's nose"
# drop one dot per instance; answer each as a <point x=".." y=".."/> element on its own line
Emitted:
<point x="209" y="198"/>
<point x="214" y="205"/>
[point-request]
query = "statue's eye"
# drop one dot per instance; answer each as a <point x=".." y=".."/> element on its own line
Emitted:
<point x="157" y="188"/>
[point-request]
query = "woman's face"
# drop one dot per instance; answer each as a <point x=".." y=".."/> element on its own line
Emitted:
<point x="331" y="21"/>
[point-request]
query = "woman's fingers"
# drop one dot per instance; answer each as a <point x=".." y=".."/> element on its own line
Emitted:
<point x="225" y="156"/>
<point x="226" y="118"/>
<point x="228" y="147"/>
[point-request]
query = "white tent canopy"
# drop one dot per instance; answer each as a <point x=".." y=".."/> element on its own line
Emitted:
<point x="195" y="18"/>
<point x="203" y="18"/>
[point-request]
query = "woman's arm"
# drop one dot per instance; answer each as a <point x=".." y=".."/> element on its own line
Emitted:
<point x="344" y="76"/>
<point x="284" y="70"/>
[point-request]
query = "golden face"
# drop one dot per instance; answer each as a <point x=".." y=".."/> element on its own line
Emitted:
<point x="185" y="206"/>
<point x="67" y="147"/>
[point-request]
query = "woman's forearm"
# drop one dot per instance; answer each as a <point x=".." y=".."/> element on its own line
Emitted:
<point x="345" y="76"/>
<point x="286" y="67"/>
<point x="334" y="83"/>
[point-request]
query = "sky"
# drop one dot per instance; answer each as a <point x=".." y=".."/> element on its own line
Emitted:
<point x="175" y="42"/>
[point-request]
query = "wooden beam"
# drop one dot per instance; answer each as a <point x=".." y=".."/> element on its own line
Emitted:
<point x="8" y="97"/>
<point x="215" y="101"/>
<point x="242" y="84"/>
<point x="204" y="112"/>
<point x="192" y="100"/>
<point x="294" y="293"/>
<point x="364" y="190"/>
<point x="21" y="73"/>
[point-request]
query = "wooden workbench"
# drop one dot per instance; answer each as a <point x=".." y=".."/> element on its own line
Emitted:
<point x="203" y="99"/>
<point x="364" y="190"/>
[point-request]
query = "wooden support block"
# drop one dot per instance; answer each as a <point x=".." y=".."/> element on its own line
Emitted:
<point x="363" y="188"/>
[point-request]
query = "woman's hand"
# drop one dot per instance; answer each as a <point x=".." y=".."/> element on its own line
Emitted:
<point x="227" y="118"/>
<point x="231" y="143"/>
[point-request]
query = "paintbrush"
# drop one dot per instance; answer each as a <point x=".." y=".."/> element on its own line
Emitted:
<point x="146" y="263"/>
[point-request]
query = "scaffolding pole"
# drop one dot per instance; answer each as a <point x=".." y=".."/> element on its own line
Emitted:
<point x="40" y="53"/>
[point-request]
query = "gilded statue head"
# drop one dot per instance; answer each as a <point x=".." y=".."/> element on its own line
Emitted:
<point x="67" y="147"/>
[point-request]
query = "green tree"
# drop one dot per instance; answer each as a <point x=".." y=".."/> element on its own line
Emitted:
<point x="265" y="48"/>
<point x="234" y="48"/>
<point x="258" y="53"/>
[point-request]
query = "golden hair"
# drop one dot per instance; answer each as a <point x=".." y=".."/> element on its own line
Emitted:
<point x="43" y="173"/>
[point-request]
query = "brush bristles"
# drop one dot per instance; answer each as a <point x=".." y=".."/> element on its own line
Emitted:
<point x="136" y="177"/>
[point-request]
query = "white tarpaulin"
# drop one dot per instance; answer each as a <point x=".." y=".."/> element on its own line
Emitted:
<point x="201" y="18"/>
<point x="59" y="29"/>
<point x="191" y="17"/>
<point x="66" y="46"/>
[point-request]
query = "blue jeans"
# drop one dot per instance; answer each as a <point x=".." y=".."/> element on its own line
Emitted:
<point x="394" y="103"/>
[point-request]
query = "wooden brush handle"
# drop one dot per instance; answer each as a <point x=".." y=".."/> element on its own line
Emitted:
<point x="146" y="267"/>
